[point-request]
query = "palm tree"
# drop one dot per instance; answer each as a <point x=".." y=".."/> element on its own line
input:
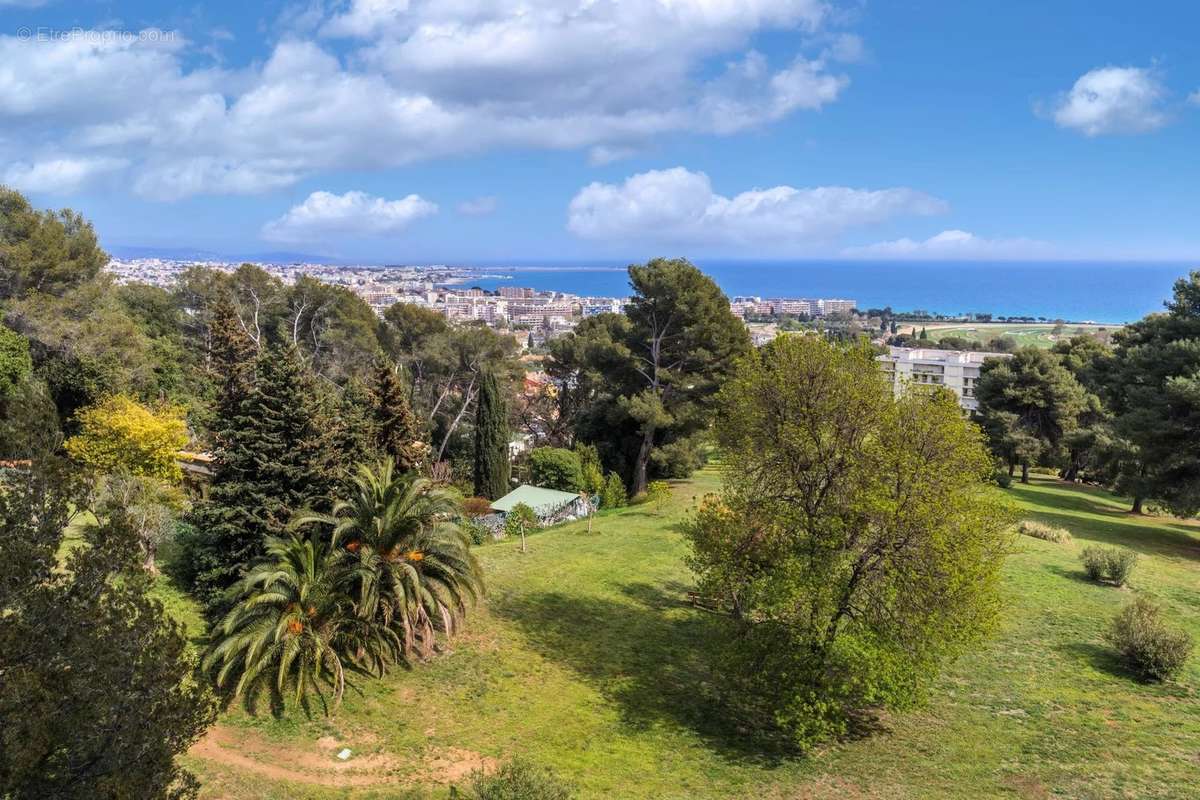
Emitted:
<point x="293" y="627"/>
<point x="410" y="565"/>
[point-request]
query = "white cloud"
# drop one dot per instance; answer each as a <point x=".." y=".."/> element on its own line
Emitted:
<point x="478" y="207"/>
<point x="678" y="206"/>
<point x="58" y="175"/>
<point x="412" y="80"/>
<point x="847" y="48"/>
<point x="954" y="244"/>
<point x="1113" y="100"/>
<point x="602" y="154"/>
<point x="324" y="214"/>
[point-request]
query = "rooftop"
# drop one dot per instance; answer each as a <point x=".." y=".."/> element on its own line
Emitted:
<point x="929" y="354"/>
<point x="542" y="501"/>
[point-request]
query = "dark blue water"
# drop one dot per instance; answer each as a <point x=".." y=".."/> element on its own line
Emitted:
<point x="1076" y="291"/>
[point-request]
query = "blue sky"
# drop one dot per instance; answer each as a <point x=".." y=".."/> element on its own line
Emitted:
<point x="504" y="130"/>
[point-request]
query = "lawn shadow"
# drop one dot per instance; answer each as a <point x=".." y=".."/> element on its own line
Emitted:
<point x="1149" y="540"/>
<point x="648" y="655"/>
<point x="1072" y="574"/>
<point x="1099" y="657"/>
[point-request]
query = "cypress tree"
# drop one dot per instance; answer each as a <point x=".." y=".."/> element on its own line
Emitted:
<point x="398" y="433"/>
<point x="491" y="440"/>
<point x="276" y="454"/>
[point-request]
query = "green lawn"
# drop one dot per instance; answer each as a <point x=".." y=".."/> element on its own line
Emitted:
<point x="586" y="659"/>
<point x="1036" y="335"/>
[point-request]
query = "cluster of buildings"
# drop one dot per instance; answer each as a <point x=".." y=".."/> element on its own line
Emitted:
<point x="447" y="290"/>
<point x="792" y="307"/>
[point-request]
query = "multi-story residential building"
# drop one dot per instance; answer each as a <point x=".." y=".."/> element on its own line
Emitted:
<point x="515" y="292"/>
<point x="826" y="308"/>
<point x="543" y="309"/>
<point x="791" y="307"/>
<point x="957" y="370"/>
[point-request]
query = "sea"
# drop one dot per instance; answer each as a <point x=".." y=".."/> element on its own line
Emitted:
<point x="1077" y="291"/>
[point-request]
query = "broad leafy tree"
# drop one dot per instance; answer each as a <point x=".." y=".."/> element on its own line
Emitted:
<point x="15" y="363"/>
<point x="854" y="543"/>
<point x="120" y="435"/>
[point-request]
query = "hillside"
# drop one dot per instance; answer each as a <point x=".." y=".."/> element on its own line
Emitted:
<point x="588" y="660"/>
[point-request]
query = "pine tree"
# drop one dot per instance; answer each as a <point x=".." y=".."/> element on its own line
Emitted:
<point x="491" y="440"/>
<point x="398" y="433"/>
<point x="276" y="454"/>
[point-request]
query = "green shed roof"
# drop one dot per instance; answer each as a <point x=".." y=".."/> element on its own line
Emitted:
<point x="542" y="501"/>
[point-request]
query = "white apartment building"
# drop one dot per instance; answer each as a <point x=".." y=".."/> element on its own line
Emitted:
<point x="957" y="370"/>
<point x="827" y="308"/>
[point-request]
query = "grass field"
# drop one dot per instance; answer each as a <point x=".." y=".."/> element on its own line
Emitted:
<point x="1037" y="335"/>
<point x="586" y="659"/>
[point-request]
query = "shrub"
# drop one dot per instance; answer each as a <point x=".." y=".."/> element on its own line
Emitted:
<point x="1002" y="478"/>
<point x="516" y="780"/>
<point x="591" y="470"/>
<point x="1095" y="562"/>
<point x="1040" y="530"/>
<point x="1152" y="650"/>
<point x="1108" y="564"/>
<point x="613" y="494"/>
<point x="476" y="506"/>
<point x="657" y="494"/>
<point x="476" y="531"/>
<point x="556" y="468"/>
<point x="1120" y="565"/>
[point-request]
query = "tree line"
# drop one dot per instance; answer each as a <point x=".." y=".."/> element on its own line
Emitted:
<point x="1124" y="415"/>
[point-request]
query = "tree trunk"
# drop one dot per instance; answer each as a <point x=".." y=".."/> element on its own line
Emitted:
<point x="1024" y="473"/>
<point x="1012" y="467"/>
<point x="1137" y="506"/>
<point x="643" y="460"/>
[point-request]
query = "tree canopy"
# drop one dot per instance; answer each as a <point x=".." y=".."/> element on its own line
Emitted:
<point x="851" y="542"/>
<point x="1028" y="403"/>
<point x="642" y="381"/>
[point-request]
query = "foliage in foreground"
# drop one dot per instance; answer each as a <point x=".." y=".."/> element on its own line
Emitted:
<point x="96" y="695"/>
<point x="374" y="583"/>
<point x="1111" y="564"/>
<point x="516" y="780"/>
<point x="1040" y="530"/>
<point x="119" y="434"/>
<point x="854" y="544"/>
<point x="1154" y="651"/>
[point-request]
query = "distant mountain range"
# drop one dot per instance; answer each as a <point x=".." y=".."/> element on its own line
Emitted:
<point x="193" y="254"/>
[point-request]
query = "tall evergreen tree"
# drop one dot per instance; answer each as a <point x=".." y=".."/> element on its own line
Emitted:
<point x="1153" y="389"/>
<point x="357" y="434"/>
<point x="397" y="430"/>
<point x="491" y="440"/>
<point x="276" y="454"/>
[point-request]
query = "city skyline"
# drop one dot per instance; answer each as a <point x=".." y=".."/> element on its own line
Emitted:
<point x="785" y="129"/>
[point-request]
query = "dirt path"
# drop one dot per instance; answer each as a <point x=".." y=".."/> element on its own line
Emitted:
<point x="317" y="765"/>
